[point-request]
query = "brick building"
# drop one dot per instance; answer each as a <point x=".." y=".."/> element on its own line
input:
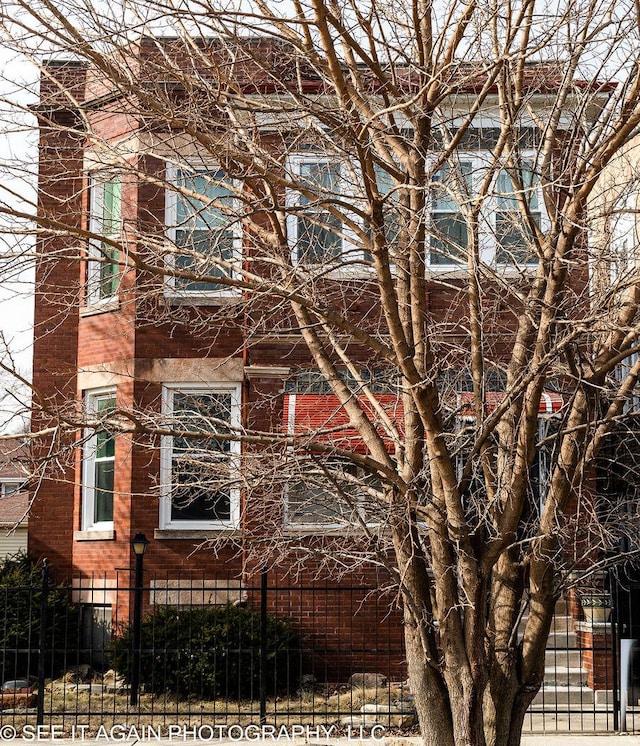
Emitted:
<point x="135" y="325"/>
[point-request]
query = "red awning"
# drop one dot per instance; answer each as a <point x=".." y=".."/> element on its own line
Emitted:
<point x="550" y="402"/>
<point x="321" y="417"/>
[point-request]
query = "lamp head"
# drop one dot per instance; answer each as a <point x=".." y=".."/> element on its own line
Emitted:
<point x="139" y="544"/>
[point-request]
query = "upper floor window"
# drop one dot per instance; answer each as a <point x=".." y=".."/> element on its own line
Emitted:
<point x="623" y="238"/>
<point x="621" y="372"/>
<point x="506" y="219"/>
<point x="517" y="207"/>
<point x="98" y="464"/>
<point x="447" y="221"/>
<point x="103" y="275"/>
<point x="199" y="473"/>
<point x="322" y="226"/>
<point x="325" y="227"/>
<point x="316" y="233"/>
<point x="203" y="226"/>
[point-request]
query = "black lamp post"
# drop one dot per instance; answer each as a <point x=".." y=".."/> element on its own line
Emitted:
<point x="139" y="545"/>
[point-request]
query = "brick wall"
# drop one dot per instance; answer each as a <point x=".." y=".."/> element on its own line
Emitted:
<point x="57" y="295"/>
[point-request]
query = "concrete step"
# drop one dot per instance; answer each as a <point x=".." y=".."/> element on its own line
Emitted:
<point x="605" y="697"/>
<point x="564" y="695"/>
<point x="555" y="657"/>
<point x="562" y="624"/>
<point x="559" y="626"/>
<point x="561" y="619"/>
<point x="565" y="676"/>
<point x="562" y="640"/>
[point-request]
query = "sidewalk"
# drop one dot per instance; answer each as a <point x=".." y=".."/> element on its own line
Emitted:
<point x="266" y="735"/>
<point x="586" y="739"/>
<point x="555" y="739"/>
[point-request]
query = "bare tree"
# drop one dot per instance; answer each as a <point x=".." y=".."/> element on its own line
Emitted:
<point x="408" y="200"/>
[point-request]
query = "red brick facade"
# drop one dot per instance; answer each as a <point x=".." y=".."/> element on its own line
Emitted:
<point x="78" y="348"/>
<point x="137" y="344"/>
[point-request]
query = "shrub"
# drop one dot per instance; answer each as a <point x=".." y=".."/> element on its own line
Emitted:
<point x="210" y="652"/>
<point x="20" y="606"/>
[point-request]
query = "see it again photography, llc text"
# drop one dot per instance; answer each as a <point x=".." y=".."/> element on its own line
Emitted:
<point x="204" y="733"/>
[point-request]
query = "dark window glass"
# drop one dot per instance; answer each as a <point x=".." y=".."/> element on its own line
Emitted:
<point x="200" y="466"/>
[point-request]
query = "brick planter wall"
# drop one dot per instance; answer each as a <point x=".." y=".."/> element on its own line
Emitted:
<point x="594" y="641"/>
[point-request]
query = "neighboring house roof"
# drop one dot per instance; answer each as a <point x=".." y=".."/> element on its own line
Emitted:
<point x="14" y="455"/>
<point x="13" y="468"/>
<point x="13" y="509"/>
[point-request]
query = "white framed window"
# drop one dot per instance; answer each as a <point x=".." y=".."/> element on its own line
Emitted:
<point x="624" y="239"/>
<point x="447" y="223"/>
<point x="316" y="235"/>
<point x="330" y="495"/>
<point x="9" y="486"/>
<point x="505" y="235"/>
<point x="199" y="474"/>
<point x="204" y="229"/>
<point x="513" y="231"/>
<point x="620" y="373"/>
<point x="539" y="473"/>
<point x="320" y="237"/>
<point x="105" y="220"/>
<point x="98" y="464"/>
<point x="391" y="215"/>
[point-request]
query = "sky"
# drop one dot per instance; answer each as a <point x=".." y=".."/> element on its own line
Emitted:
<point x="18" y="159"/>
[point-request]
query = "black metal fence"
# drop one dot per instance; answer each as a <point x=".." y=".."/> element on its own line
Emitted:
<point x="207" y="653"/>
<point x="214" y="658"/>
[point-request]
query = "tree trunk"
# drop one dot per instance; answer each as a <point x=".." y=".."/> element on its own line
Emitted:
<point x="453" y="720"/>
<point x="427" y="686"/>
<point x="505" y="707"/>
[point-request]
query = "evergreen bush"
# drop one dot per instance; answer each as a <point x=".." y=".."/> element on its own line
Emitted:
<point x="20" y="609"/>
<point x="211" y="652"/>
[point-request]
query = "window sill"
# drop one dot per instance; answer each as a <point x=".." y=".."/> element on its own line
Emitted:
<point x="341" y="272"/>
<point x="185" y="534"/>
<point x="94" y="535"/>
<point x="203" y="299"/>
<point x="461" y="270"/>
<point x="321" y="530"/>
<point x="97" y="308"/>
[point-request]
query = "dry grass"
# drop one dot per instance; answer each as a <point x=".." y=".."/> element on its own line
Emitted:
<point x="69" y="706"/>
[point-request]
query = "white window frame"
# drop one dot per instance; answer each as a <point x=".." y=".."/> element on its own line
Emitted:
<point x="15" y="485"/>
<point x="328" y="526"/>
<point x="621" y="371"/>
<point x="488" y="243"/>
<point x="96" y="260"/>
<point x="349" y="250"/>
<point x="488" y="240"/>
<point x="461" y="158"/>
<point x="166" y="456"/>
<point x="91" y="398"/>
<point x="544" y="421"/>
<point x="171" y="212"/>
<point x="624" y="239"/>
<point x="495" y="210"/>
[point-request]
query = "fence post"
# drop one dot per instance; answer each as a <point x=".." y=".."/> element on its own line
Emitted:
<point x="263" y="646"/>
<point x="42" y="641"/>
<point x="614" y="653"/>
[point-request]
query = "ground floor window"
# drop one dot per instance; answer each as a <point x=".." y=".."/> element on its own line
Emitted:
<point x="98" y="462"/>
<point x="200" y="460"/>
